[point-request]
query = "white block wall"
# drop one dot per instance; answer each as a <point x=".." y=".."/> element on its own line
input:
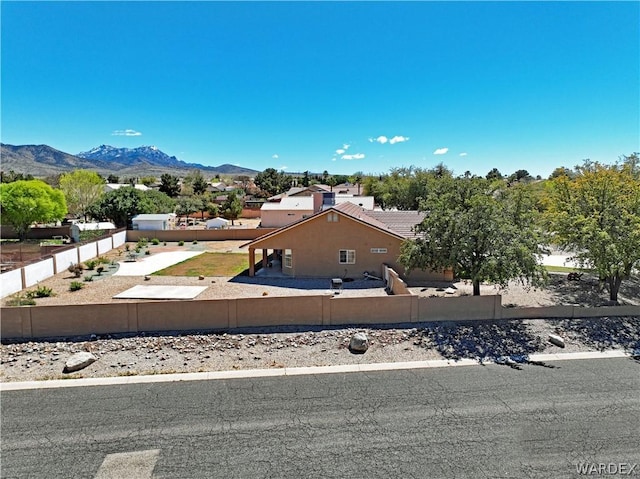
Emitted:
<point x="39" y="271"/>
<point x="10" y="282"/>
<point x="65" y="259"/>
<point x="88" y="251"/>
<point x="104" y="245"/>
<point x="119" y="239"/>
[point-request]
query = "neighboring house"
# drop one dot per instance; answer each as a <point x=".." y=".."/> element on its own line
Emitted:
<point x="116" y="186"/>
<point x="217" y="224"/>
<point x="342" y="241"/>
<point x="288" y="210"/>
<point x="367" y="202"/>
<point x="216" y="187"/>
<point x="153" y="222"/>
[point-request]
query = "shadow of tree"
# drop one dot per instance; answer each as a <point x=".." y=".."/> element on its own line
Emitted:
<point x="307" y="283"/>
<point x="589" y="292"/>
<point x="484" y="341"/>
<point x="603" y="333"/>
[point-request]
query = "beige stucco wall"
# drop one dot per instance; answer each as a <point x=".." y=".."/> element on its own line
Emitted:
<point x="316" y="243"/>
<point x="279" y="218"/>
<point x="325" y="310"/>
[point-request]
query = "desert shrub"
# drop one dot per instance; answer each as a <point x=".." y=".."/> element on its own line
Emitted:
<point x="100" y="269"/>
<point x="180" y="243"/>
<point x="195" y="241"/>
<point x="88" y="278"/>
<point x="20" y="300"/>
<point x="76" y="286"/>
<point x="155" y="241"/>
<point x="142" y="242"/>
<point x="103" y="260"/>
<point x="42" y="292"/>
<point x="76" y="269"/>
<point x="147" y="252"/>
<point x="127" y="247"/>
<point x="91" y="264"/>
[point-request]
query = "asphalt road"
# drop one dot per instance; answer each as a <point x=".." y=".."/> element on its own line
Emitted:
<point x="477" y="422"/>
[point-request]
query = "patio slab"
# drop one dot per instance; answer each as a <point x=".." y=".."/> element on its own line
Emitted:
<point x="161" y="292"/>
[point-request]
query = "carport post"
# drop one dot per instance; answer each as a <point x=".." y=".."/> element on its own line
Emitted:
<point x="252" y="262"/>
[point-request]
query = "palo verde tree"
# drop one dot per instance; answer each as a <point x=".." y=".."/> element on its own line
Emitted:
<point x="25" y="202"/>
<point x="481" y="231"/>
<point x="81" y="189"/>
<point x="597" y="215"/>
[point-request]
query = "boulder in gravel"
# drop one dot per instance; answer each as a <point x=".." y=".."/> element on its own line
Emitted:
<point x="359" y="343"/>
<point x="79" y="361"/>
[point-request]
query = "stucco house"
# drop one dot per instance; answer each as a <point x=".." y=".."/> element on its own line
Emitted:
<point x="274" y="214"/>
<point x="344" y="240"/>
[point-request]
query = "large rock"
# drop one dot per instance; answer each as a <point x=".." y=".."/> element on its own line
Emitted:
<point x="359" y="343"/>
<point x="79" y="361"/>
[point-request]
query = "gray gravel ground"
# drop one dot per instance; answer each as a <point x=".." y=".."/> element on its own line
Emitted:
<point x="121" y="355"/>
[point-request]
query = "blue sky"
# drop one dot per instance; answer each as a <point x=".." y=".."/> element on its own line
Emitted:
<point x="337" y="86"/>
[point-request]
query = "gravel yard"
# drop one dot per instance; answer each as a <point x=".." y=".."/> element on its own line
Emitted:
<point x="291" y="347"/>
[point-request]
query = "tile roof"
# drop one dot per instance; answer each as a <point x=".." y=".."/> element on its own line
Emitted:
<point x="398" y="222"/>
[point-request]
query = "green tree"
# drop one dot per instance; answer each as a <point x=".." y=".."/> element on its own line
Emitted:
<point x="113" y="179"/>
<point x="187" y="205"/>
<point x="597" y="215"/>
<point x="148" y="180"/>
<point x="121" y="205"/>
<point x="213" y="209"/>
<point x="480" y="231"/>
<point x="272" y="182"/>
<point x="11" y="176"/>
<point x="305" y="179"/>
<point x="231" y="209"/>
<point x="169" y="185"/>
<point x="81" y="189"/>
<point x="24" y="202"/>
<point x="162" y="203"/>
<point x="196" y="182"/>
<point x="494" y="174"/>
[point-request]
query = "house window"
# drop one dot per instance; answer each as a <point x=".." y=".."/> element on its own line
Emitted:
<point x="332" y="217"/>
<point x="347" y="256"/>
<point x="379" y="250"/>
<point x="288" y="259"/>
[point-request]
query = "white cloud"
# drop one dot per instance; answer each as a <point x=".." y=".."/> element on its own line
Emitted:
<point x="345" y="146"/>
<point x="381" y="139"/>
<point x="283" y="167"/>
<point x="340" y="151"/>
<point x="463" y="154"/>
<point x="357" y="156"/>
<point x="441" y="151"/>
<point x="398" y="139"/>
<point x="275" y="157"/>
<point x="127" y="132"/>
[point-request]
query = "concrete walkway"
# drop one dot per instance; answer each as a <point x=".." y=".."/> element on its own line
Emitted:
<point x="155" y="262"/>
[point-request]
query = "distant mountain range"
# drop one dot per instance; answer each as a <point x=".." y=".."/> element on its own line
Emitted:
<point x="42" y="160"/>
